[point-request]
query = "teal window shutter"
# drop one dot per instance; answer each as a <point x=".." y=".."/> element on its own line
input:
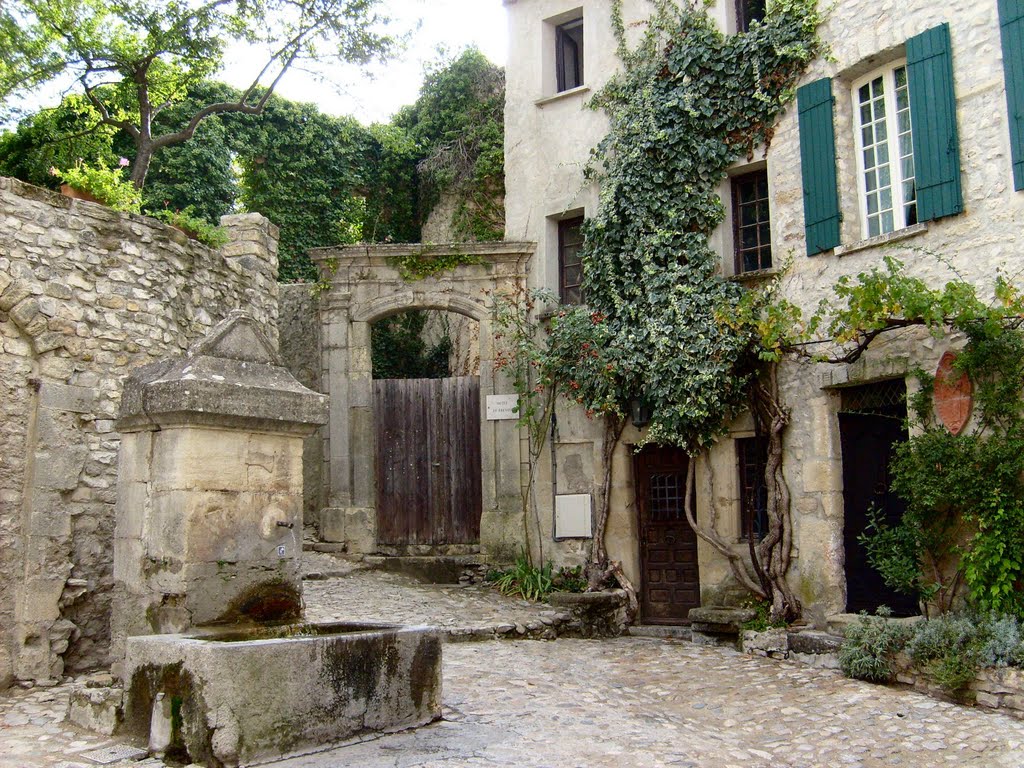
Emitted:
<point x="1011" y="23"/>
<point x="933" y="124"/>
<point x="818" y="165"/>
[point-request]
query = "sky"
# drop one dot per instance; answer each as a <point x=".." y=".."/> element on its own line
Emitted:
<point x="451" y="24"/>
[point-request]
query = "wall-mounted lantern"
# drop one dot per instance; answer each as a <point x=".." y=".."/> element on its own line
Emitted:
<point x="640" y="412"/>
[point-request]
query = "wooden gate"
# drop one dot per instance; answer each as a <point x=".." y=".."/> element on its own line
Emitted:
<point x="428" y="460"/>
<point x="670" y="582"/>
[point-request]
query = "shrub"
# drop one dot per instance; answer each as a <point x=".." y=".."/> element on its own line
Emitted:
<point x="569" y="580"/>
<point x="870" y="646"/>
<point x="523" y="580"/>
<point x="193" y="226"/>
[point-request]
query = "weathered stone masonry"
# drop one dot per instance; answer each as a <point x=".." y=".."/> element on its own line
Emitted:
<point x="86" y="295"/>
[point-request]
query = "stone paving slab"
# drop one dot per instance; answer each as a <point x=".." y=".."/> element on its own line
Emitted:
<point x="466" y="612"/>
<point x="643" y="702"/>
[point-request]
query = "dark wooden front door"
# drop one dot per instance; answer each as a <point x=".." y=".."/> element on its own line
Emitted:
<point x="670" y="583"/>
<point x="869" y="441"/>
<point x="428" y="460"/>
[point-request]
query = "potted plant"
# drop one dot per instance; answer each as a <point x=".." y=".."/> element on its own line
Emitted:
<point x="100" y="184"/>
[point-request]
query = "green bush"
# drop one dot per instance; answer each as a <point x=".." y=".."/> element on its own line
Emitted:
<point x="949" y="650"/>
<point x="871" y="645"/>
<point x="193" y="226"/>
<point x="523" y="580"/>
<point x="569" y="580"/>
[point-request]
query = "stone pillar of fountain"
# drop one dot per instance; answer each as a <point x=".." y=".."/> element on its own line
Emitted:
<point x="209" y="502"/>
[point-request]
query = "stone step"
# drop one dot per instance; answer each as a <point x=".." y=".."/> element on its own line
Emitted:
<point x="659" y="630"/>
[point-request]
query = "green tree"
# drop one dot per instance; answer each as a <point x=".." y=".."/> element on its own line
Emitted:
<point x="133" y="60"/>
<point x="457" y="123"/>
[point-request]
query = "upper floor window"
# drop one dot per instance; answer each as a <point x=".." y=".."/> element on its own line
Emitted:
<point x="748" y="11"/>
<point x="569" y="55"/>
<point x="570" y="264"/>
<point x="752" y="237"/>
<point x="885" y="153"/>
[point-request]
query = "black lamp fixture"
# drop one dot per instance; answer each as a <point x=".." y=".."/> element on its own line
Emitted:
<point x="640" y="412"/>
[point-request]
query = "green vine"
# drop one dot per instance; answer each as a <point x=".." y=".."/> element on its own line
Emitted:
<point x="424" y="263"/>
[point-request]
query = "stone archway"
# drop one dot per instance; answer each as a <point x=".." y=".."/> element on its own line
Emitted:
<point x="365" y="286"/>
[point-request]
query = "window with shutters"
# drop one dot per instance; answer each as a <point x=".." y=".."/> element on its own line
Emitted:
<point x="885" y="154"/>
<point x="752" y="236"/>
<point x="570" y="265"/>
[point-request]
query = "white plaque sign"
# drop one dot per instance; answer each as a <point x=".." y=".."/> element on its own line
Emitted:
<point x="502" y="407"/>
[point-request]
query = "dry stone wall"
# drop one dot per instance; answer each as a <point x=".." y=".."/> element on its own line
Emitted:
<point x="86" y="295"/>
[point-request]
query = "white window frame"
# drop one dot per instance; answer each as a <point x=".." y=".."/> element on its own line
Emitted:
<point x="897" y="180"/>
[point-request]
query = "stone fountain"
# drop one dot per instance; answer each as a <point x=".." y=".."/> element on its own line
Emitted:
<point x="207" y="631"/>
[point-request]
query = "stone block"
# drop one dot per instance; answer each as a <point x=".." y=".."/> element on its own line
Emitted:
<point x="720" y="619"/>
<point x="772" y="642"/>
<point x="814" y="642"/>
<point x="15" y="293"/>
<point x="66" y="397"/>
<point x="96" y="709"/>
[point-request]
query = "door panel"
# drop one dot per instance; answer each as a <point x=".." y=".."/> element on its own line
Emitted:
<point x="428" y="460"/>
<point x="670" y="581"/>
<point x="869" y="441"/>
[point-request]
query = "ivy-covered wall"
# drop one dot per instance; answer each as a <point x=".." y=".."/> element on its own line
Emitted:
<point x="548" y="144"/>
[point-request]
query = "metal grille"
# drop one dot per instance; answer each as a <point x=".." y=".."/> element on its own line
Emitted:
<point x="886" y="398"/>
<point x="666" y="497"/>
<point x="751" y="457"/>
<point x="751" y="222"/>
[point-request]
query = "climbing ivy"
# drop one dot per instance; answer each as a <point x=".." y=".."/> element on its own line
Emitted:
<point x="688" y="102"/>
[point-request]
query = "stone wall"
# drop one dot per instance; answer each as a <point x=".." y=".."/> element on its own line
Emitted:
<point x="298" y="323"/>
<point x="86" y="295"/>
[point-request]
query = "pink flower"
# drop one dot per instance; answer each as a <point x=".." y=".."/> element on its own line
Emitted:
<point x="123" y="162"/>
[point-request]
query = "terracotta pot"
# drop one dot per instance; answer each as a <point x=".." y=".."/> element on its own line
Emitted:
<point x="77" y="194"/>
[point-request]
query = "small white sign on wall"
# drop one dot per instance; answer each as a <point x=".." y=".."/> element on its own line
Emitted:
<point x="502" y="407"/>
<point x="572" y="516"/>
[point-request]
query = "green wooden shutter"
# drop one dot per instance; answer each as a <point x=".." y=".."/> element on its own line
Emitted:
<point x="1011" y="23"/>
<point x="818" y="165"/>
<point x="933" y="124"/>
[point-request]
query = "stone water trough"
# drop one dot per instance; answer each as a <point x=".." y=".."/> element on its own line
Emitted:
<point x="216" y="663"/>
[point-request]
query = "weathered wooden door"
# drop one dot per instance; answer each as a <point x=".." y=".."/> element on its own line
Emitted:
<point x="869" y="436"/>
<point x="428" y="460"/>
<point x="670" y="582"/>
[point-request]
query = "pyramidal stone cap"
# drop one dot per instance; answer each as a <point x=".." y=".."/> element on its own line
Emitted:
<point x="232" y="378"/>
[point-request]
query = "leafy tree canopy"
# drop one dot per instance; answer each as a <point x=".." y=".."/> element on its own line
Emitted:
<point x="134" y="60"/>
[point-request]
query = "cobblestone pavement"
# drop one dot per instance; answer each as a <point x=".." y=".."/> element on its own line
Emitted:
<point x="632" y="701"/>
<point x="642" y="702"/>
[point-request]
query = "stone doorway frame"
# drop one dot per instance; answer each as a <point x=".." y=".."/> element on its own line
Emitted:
<point x="365" y="285"/>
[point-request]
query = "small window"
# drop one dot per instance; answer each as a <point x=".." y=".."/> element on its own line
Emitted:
<point x="570" y="265"/>
<point x="885" y="153"/>
<point x="752" y="235"/>
<point x="569" y="55"/>
<point x="748" y="11"/>
<point x="751" y="458"/>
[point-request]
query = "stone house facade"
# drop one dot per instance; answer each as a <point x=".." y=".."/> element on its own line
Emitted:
<point x="87" y="295"/>
<point x="936" y="87"/>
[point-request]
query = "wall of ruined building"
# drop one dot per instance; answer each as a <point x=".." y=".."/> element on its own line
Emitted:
<point x="86" y="295"/>
<point x="298" y="323"/>
<point x="547" y="145"/>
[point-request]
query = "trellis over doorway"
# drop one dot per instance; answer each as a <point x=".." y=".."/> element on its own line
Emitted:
<point x="365" y="286"/>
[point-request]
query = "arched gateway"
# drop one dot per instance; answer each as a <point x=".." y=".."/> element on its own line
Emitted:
<point x="366" y="286"/>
